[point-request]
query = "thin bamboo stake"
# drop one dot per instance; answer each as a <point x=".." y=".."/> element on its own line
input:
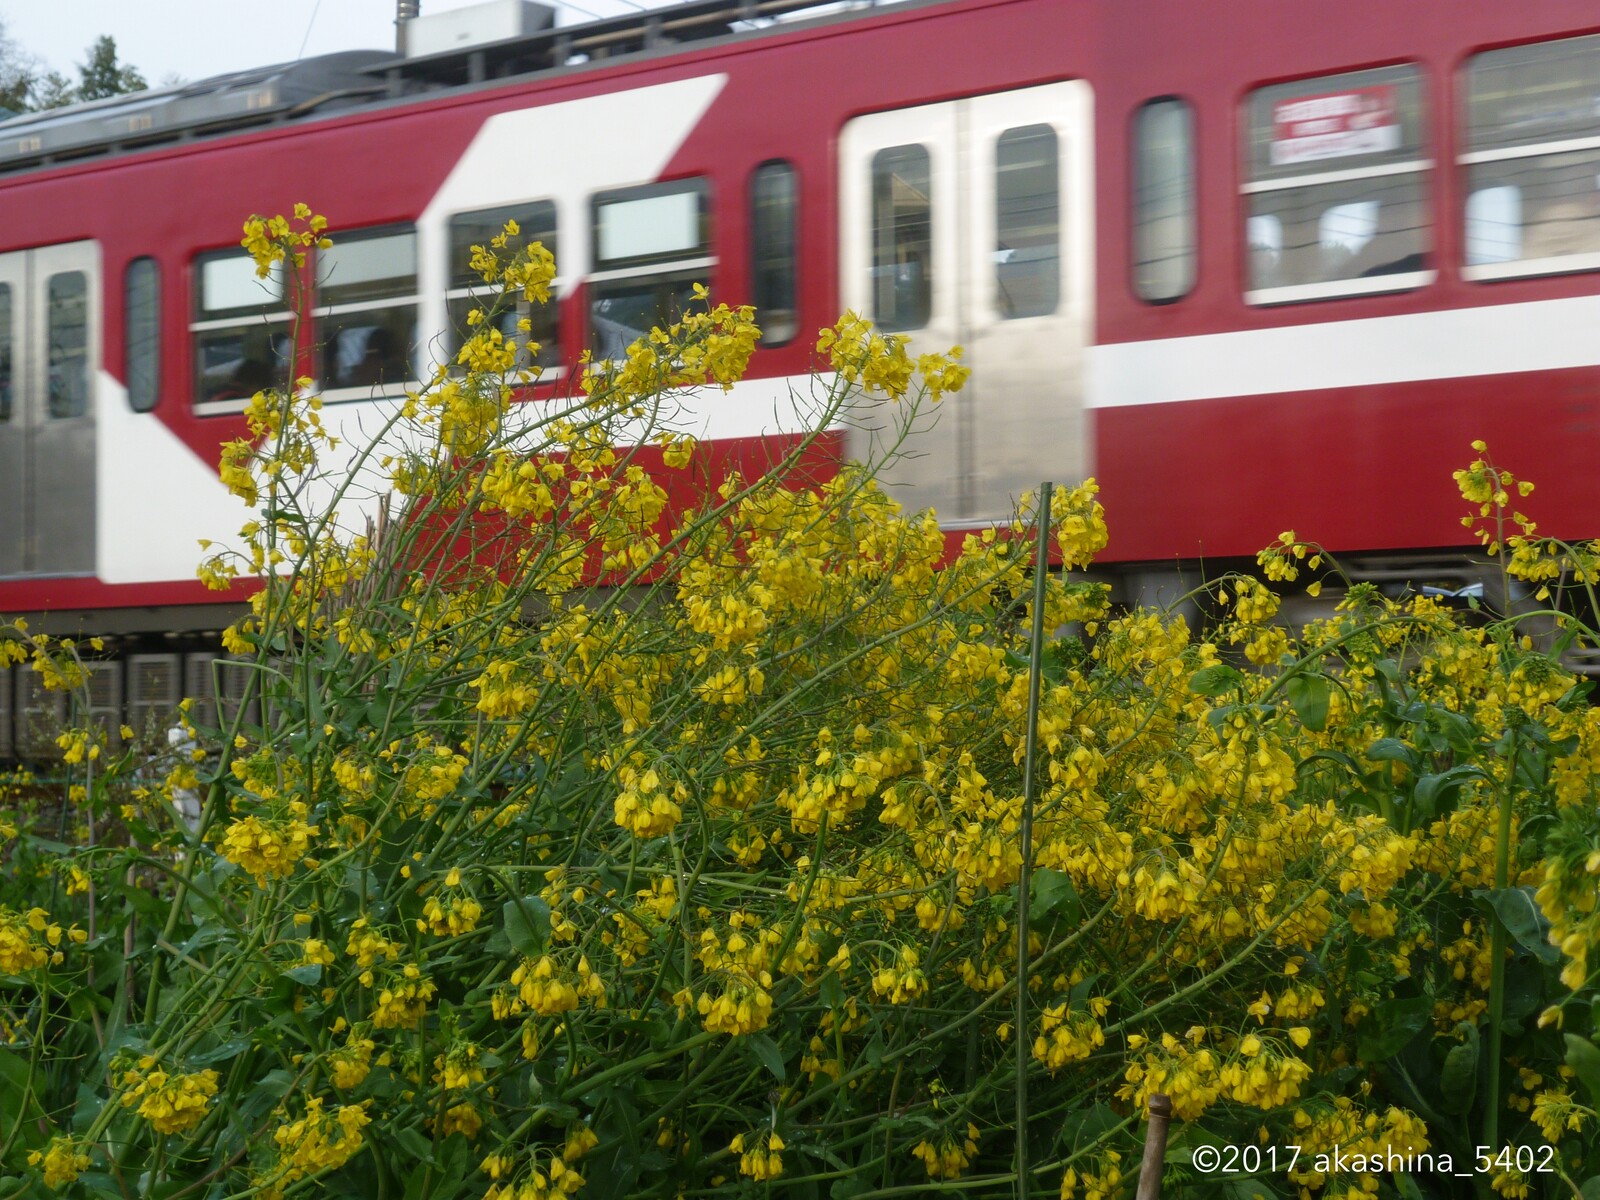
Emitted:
<point x="1155" y="1147"/>
<point x="1041" y="572"/>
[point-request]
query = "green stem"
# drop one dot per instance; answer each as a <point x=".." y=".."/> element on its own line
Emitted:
<point x="1497" y="949"/>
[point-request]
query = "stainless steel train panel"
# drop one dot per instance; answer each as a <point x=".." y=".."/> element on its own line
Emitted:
<point x="13" y="423"/>
<point x="153" y="693"/>
<point x="1005" y="182"/>
<point x="49" y="357"/>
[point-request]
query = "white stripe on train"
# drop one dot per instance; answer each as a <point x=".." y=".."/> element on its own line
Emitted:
<point x="1495" y="339"/>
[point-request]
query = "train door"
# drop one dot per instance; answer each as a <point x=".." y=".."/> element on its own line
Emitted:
<point x="49" y="345"/>
<point x="970" y="223"/>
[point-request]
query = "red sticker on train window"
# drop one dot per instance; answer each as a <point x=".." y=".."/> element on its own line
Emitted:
<point x="1360" y="121"/>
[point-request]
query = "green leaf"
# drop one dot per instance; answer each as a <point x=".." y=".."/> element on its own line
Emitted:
<point x="309" y="974"/>
<point x="1391" y="750"/>
<point x="1520" y="914"/>
<point x="527" y="924"/>
<point x="849" y="1188"/>
<point x="1458" y="1078"/>
<point x="1583" y="1056"/>
<point x="1308" y="695"/>
<point x="19" y="1105"/>
<point x="1591" y="1188"/>
<point x="1391" y="1025"/>
<point x="769" y="1054"/>
<point x="1052" y="896"/>
<point x="1216" y="680"/>
<point x="1432" y="790"/>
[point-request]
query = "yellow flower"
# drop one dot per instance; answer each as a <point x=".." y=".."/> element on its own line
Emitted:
<point x="63" y="1160"/>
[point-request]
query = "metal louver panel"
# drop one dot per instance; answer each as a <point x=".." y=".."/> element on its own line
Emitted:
<point x="8" y="745"/>
<point x="153" y="693"/>
<point x="41" y="716"/>
<point x="197" y="686"/>
<point x="204" y="674"/>
<point x="105" y="700"/>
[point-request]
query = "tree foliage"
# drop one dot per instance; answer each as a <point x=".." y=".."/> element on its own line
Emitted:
<point x="26" y="85"/>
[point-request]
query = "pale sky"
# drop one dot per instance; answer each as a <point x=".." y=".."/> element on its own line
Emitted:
<point x="198" y="38"/>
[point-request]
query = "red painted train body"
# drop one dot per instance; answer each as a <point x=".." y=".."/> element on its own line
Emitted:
<point x="1255" y="266"/>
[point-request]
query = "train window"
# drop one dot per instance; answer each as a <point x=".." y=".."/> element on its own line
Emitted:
<point x="1532" y="159"/>
<point x="1164" y="238"/>
<point x="366" y="316"/>
<point x="774" y="205"/>
<point x="67" y="336"/>
<point x="902" y="238"/>
<point x="141" y="304"/>
<point x="240" y="331"/>
<point x="5" y="353"/>
<point x="536" y="222"/>
<point x="652" y="244"/>
<point x="1335" y="186"/>
<point x="1027" y="212"/>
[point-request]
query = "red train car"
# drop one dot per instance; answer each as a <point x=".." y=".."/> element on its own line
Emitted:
<point x="1255" y="266"/>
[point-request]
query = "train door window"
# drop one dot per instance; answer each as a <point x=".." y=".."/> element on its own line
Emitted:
<point x="240" y="331"/>
<point x="1532" y="159"/>
<point x="141" y="305"/>
<point x="1336" y="171"/>
<point x="1027" y="254"/>
<point x="536" y="222"/>
<point x="67" y="333"/>
<point x="774" y="205"/>
<point x="366" y="315"/>
<point x="5" y="353"/>
<point x="652" y="244"/>
<point x="902" y="238"/>
<point x="1164" y="236"/>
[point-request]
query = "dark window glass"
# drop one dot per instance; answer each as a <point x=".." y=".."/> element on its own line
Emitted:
<point x="1027" y="208"/>
<point x="366" y="321"/>
<point x="774" y="206"/>
<point x="240" y="332"/>
<point x="142" y="323"/>
<point x="902" y="238"/>
<point x="652" y="245"/>
<point x="5" y="352"/>
<point x="536" y="222"/>
<point x="1533" y="162"/>
<point x="621" y="311"/>
<point x="1335" y="191"/>
<point x="67" y="334"/>
<point x="1163" y="200"/>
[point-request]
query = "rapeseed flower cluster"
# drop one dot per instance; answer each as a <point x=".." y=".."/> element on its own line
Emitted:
<point x="529" y="872"/>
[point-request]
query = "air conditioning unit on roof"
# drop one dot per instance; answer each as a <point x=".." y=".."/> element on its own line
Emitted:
<point x="475" y="25"/>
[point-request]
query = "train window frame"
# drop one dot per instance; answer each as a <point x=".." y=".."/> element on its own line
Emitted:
<point x="329" y="304"/>
<point x="141" y="326"/>
<point x="7" y="354"/>
<point x="779" y="323"/>
<point x="1486" y="144"/>
<point x="921" y="285"/>
<point x="466" y="289"/>
<point x="1410" y="158"/>
<point x="1142" y="214"/>
<point x="666" y="276"/>
<point x="272" y="318"/>
<point x="1016" y="134"/>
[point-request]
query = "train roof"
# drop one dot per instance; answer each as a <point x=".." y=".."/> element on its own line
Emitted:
<point x="338" y="82"/>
